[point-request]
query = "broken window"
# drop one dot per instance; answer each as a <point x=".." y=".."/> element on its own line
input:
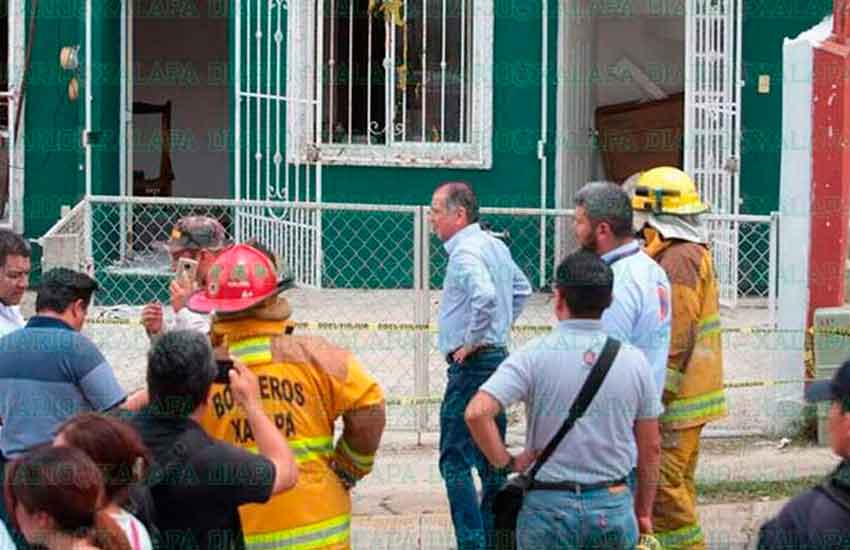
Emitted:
<point x="407" y="72"/>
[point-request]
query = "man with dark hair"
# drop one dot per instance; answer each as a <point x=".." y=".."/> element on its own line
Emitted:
<point x="14" y="279"/>
<point x="484" y="291"/>
<point x="819" y="519"/>
<point x="640" y="313"/>
<point x="581" y="498"/>
<point x="201" y="482"/>
<point x="48" y="370"/>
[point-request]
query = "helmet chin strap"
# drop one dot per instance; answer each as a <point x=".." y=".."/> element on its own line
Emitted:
<point x="274" y="308"/>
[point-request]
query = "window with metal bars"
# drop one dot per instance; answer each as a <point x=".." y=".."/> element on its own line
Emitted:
<point x="406" y="82"/>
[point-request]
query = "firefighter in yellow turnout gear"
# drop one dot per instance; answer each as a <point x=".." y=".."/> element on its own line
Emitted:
<point x="667" y="209"/>
<point x="306" y="384"/>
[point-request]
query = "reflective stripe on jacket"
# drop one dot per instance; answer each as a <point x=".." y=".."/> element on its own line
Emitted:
<point x="306" y="383"/>
<point x="693" y="389"/>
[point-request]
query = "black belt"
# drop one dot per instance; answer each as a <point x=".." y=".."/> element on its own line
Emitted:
<point x="481" y="349"/>
<point x="571" y="487"/>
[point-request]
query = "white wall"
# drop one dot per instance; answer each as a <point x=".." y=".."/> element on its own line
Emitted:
<point x="183" y="59"/>
<point x="655" y="44"/>
<point x="794" y="226"/>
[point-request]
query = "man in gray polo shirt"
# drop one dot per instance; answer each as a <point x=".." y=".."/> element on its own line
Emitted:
<point x="593" y="505"/>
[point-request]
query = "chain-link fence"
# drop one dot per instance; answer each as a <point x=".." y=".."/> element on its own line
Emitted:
<point x="745" y="255"/>
<point x="373" y="276"/>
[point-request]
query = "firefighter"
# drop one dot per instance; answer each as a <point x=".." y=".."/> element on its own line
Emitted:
<point x="306" y="384"/>
<point x="196" y="238"/>
<point x="667" y="216"/>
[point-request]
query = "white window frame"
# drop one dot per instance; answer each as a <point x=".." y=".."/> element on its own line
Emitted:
<point x="476" y="154"/>
<point x="16" y="60"/>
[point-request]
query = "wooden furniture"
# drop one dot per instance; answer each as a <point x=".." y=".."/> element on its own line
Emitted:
<point x="159" y="186"/>
<point x="638" y="136"/>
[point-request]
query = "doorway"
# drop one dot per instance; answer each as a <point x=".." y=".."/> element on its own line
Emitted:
<point x="177" y="101"/>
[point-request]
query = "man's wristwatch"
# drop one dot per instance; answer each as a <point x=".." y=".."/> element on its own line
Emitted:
<point x="509" y="467"/>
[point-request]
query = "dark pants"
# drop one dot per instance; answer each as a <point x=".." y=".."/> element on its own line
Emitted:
<point x="473" y="522"/>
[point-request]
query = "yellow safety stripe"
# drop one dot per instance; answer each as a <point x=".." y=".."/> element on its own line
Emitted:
<point x="253" y="351"/>
<point x="695" y="408"/>
<point x="684" y="537"/>
<point x="307" y="537"/>
<point x="709" y="326"/>
<point x="308" y="449"/>
<point x="360" y="461"/>
<point x="673" y="380"/>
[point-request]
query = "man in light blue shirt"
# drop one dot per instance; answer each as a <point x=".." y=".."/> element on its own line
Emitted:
<point x="640" y="313"/>
<point x="483" y="293"/>
<point x="585" y="502"/>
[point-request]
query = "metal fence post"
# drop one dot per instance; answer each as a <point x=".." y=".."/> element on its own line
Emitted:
<point x="424" y="321"/>
<point x="774" y="267"/>
<point x="420" y="318"/>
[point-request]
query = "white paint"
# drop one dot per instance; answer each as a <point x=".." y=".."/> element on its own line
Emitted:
<point x="16" y="21"/>
<point x="815" y="35"/>
<point x="795" y="206"/>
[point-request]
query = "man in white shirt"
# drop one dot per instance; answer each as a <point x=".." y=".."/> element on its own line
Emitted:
<point x="199" y="238"/>
<point x="640" y="312"/>
<point x="14" y="279"/>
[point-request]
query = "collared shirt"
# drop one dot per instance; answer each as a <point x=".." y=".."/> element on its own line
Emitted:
<point x="49" y="373"/>
<point x="547" y="375"/>
<point x="189" y="320"/>
<point x="483" y="293"/>
<point x="10" y="319"/>
<point x="640" y="312"/>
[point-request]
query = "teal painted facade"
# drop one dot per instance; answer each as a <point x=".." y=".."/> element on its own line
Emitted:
<point x="766" y="23"/>
<point x="54" y="156"/>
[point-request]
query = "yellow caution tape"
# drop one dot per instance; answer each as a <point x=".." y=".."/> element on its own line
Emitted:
<point x="436" y="399"/>
<point x="432" y="327"/>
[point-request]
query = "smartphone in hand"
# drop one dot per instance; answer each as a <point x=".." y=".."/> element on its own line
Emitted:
<point x="222" y="374"/>
<point x="187" y="270"/>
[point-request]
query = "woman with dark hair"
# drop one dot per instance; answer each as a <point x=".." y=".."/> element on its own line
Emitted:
<point x="53" y="496"/>
<point x="123" y="459"/>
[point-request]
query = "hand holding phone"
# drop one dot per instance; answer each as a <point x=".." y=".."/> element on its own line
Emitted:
<point x="187" y="270"/>
<point x="223" y="373"/>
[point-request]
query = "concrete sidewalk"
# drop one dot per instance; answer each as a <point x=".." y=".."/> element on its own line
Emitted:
<point x="726" y="527"/>
<point x="403" y="506"/>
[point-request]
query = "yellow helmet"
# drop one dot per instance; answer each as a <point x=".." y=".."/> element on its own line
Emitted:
<point x="667" y="190"/>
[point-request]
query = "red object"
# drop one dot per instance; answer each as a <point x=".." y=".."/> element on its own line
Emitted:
<point x="240" y="278"/>
<point x="830" y="166"/>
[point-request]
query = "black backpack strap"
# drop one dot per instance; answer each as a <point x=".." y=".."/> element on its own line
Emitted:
<point x="585" y="396"/>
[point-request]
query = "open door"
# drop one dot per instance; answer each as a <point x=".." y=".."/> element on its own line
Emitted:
<point x="713" y="124"/>
<point x="276" y="122"/>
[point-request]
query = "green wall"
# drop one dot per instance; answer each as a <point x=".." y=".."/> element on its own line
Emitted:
<point x="53" y="125"/>
<point x="53" y="152"/>
<point x="52" y="138"/>
<point x="766" y="23"/>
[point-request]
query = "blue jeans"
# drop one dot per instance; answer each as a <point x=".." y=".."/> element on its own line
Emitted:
<point x="603" y="519"/>
<point x="473" y="522"/>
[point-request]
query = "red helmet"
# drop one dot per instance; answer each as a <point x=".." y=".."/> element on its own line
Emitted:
<point x="240" y="278"/>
